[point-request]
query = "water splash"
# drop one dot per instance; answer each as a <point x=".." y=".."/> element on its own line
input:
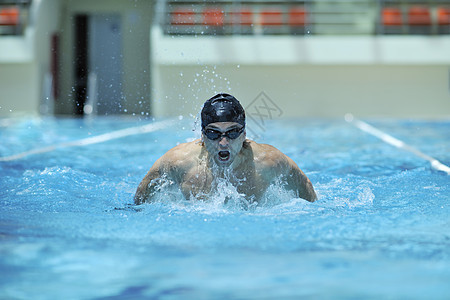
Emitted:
<point x="341" y="193"/>
<point x="225" y="197"/>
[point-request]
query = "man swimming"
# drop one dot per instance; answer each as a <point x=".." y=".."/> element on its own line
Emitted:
<point x="223" y="152"/>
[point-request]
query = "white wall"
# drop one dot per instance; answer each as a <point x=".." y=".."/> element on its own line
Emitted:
<point x="18" y="89"/>
<point x="24" y="60"/>
<point x="310" y="76"/>
<point x="305" y="90"/>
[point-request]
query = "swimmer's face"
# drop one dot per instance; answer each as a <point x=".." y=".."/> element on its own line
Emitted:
<point x="224" y="140"/>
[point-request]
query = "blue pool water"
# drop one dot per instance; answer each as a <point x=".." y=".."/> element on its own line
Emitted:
<point x="68" y="229"/>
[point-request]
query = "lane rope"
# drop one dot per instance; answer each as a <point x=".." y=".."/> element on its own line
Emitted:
<point x="93" y="140"/>
<point x="435" y="164"/>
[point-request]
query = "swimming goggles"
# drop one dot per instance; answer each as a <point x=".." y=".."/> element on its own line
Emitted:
<point x="230" y="134"/>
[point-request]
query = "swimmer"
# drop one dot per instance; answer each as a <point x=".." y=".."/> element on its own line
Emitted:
<point x="224" y="152"/>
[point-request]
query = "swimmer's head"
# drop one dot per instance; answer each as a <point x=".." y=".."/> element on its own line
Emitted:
<point x="222" y="108"/>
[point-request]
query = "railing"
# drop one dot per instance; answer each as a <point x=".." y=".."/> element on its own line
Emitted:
<point x="14" y="16"/>
<point x="310" y="17"/>
<point x="415" y="17"/>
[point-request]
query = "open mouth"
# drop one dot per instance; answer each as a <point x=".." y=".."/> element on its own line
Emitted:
<point x="224" y="155"/>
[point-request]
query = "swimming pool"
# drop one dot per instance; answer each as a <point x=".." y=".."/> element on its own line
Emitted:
<point x="380" y="229"/>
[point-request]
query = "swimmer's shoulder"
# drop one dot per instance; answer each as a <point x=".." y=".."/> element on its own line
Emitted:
<point x="266" y="155"/>
<point x="263" y="150"/>
<point x="183" y="153"/>
<point x="271" y="157"/>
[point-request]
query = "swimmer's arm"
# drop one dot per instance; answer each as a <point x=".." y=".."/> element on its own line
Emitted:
<point x="164" y="169"/>
<point x="299" y="182"/>
<point x="147" y="186"/>
<point x="276" y="164"/>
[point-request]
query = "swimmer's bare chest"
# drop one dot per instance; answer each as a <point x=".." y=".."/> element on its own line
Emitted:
<point x="201" y="183"/>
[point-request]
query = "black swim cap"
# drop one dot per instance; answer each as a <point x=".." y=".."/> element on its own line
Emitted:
<point x="222" y="108"/>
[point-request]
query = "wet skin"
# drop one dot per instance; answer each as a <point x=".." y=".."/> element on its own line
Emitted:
<point x="249" y="166"/>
